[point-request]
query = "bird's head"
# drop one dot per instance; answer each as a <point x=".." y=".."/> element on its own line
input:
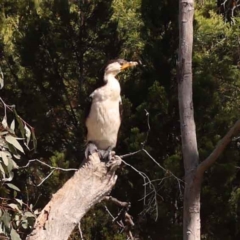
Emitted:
<point x="116" y="66"/>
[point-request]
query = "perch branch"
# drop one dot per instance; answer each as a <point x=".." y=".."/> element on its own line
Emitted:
<point x="89" y="185"/>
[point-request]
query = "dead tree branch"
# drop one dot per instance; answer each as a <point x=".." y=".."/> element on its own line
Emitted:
<point x="222" y="144"/>
<point x="123" y="219"/>
<point x="89" y="185"/>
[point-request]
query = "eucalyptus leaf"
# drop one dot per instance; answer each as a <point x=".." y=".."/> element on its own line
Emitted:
<point x="14" y="165"/>
<point x="6" y="219"/>
<point x="10" y="166"/>
<point x="13" y="206"/>
<point x="20" y="123"/>
<point x="14" y="235"/>
<point x="3" y="133"/>
<point x="12" y="126"/>
<point x="12" y="149"/>
<point x="17" y="156"/>
<point x="19" y="201"/>
<point x="27" y="133"/>
<point x="12" y="140"/>
<point x="10" y="185"/>
<point x="29" y="214"/>
<point x="4" y="122"/>
<point x="36" y="212"/>
<point x="34" y="140"/>
<point x="2" y="171"/>
<point x="4" y="157"/>
<point x="24" y="224"/>
<point x="10" y="178"/>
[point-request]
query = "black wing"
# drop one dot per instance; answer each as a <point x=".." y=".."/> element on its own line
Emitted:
<point x="88" y="104"/>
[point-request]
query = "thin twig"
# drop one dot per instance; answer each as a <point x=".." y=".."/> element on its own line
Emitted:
<point x="113" y="218"/>
<point x="45" y="164"/>
<point x="49" y="166"/>
<point x="80" y="231"/>
<point x="164" y="169"/>
<point x="11" y="108"/>
<point x="45" y="178"/>
<point x="130" y="154"/>
<point x="146" y="183"/>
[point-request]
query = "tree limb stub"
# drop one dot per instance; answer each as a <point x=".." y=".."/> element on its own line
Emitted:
<point x="124" y="218"/>
<point x="222" y="144"/>
<point x="89" y="185"/>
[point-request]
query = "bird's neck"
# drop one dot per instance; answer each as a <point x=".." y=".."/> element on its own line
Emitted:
<point x="110" y="79"/>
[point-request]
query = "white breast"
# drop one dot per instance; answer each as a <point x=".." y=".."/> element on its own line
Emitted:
<point x="103" y="121"/>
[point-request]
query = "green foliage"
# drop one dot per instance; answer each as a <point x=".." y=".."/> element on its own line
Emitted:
<point x="14" y="215"/>
<point x="52" y="53"/>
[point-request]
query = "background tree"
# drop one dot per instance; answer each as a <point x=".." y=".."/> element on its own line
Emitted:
<point x="41" y="40"/>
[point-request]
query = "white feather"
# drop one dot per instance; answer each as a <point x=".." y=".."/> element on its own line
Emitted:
<point x="104" y="120"/>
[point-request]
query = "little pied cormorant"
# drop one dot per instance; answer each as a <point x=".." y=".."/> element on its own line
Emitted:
<point x="104" y="120"/>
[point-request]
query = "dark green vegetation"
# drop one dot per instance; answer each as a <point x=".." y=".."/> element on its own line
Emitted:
<point x="51" y="54"/>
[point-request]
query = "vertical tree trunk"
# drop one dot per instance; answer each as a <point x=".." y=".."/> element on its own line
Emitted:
<point x="191" y="222"/>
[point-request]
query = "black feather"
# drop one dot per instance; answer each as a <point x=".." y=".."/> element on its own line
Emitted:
<point x="88" y="104"/>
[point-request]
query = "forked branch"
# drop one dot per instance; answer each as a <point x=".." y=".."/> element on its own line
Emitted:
<point x="222" y="144"/>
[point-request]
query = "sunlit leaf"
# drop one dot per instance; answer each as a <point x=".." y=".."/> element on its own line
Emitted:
<point x="24" y="224"/>
<point x="12" y="126"/>
<point x="14" y="235"/>
<point x="14" y="142"/>
<point x="17" y="219"/>
<point x="29" y="214"/>
<point x="19" y="201"/>
<point x="4" y="122"/>
<point x="36" y="212"/>
<point x="17" y="156"/>
<point x="14" y="194"/>
<point x="10" y="178"/>
<point x="34" y="140"/>
<point x="6" y="219"/>
<point x="2" y="171"/>
<point x="10" y="185"/>
<point x="4" y="157"/>
<point x="13" y="206"/>
<point x="14" y="165"/>
<point x="25" y="144"/>
<point x="3" y="133"/>
<point x="20" y="123"/>
<point x="10" y="166"/>
<point x="27" y="133"/>
<point x="12" y="149"/>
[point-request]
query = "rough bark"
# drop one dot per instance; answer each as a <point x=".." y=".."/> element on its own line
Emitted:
<point x="89" y="185"/>
<point x="191" y="222"/>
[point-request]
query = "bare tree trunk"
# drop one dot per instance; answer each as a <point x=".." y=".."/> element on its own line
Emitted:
<point x="89" y="185"/>
<point x="191" y="222"/>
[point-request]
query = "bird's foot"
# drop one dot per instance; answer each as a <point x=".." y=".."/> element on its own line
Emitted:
<point x="90" y="149"/>
<point x="106" y="154"/>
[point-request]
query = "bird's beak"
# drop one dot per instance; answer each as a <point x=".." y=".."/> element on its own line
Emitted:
<point x="128" y="64"/>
